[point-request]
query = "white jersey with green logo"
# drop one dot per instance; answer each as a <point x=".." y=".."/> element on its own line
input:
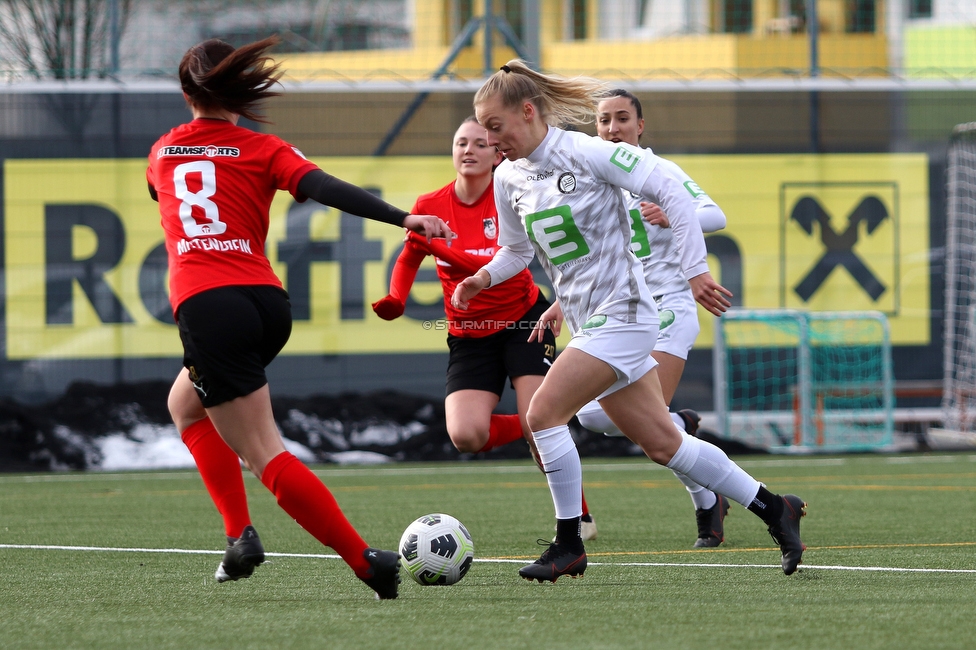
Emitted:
<point x="655" y="246"/>
<point x="564" y="203"/>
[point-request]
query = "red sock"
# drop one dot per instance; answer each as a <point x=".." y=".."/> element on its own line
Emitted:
<point x="303" y="496"/>
<point x="586" y="509"/>
<point x="502" y="430"/>
<point x="221" y="471"/>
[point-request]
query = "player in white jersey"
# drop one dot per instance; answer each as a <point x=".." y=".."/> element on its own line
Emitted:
<point x="558" y="197"/>
<point x="620" y="119"/>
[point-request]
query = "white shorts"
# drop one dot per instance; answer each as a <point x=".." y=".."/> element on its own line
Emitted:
<point x="625" y="347"/>
<point x="678" y="312"/>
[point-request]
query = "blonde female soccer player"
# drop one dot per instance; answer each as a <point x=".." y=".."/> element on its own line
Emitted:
<point x="491" y="341"/>
<point x="558" y="196"/>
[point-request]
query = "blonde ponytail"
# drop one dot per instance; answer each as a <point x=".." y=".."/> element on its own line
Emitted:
<point x="560" y="101"/>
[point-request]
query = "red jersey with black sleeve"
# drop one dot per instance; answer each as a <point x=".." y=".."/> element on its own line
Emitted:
<point x="475" y="243"/>
<point x="215" y="182"/>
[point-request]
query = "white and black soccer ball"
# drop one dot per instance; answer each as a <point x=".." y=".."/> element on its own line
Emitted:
<point x="436" y="550"/>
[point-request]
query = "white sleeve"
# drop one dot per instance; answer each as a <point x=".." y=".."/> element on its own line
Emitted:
<point x="643" y="173"/>
<point x="710" y="216"/>
<point x="516" y="250"/>
<point x="509" y="261"/>
<point x="665" y="189"/>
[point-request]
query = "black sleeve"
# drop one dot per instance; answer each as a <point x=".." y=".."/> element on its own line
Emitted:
<point x="329" y="190"/>
<point x="152" y="193"/>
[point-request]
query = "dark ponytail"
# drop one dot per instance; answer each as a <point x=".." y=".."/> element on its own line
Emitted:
<point x="215" y="75"/>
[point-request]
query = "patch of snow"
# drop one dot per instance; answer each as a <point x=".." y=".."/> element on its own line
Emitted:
<point x="148" y="446"/>
<point x="358" y="458"/>
<point x="387" y="434"/>
<point x="300" y="451"/>
<point x="316" y="429"/>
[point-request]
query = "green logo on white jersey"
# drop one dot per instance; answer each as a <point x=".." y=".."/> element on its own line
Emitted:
<point x="555" y="232"/>
<point x="693" y="189"/>
<point x="594" y="321"/>
<point x="638" y="241"/>
<point x="625" y="159"/>
<point x="667" y="317"/>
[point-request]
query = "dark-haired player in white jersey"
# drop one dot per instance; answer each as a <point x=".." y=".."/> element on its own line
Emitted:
<point x="620" y="119"/>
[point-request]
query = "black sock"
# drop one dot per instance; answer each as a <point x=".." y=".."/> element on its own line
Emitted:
<point x="568" y="533"/>
<point x="768" y="506"/>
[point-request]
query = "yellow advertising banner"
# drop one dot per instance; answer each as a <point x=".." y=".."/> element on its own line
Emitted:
<point x="830" y="232"/>
<point x="85" y="270"/>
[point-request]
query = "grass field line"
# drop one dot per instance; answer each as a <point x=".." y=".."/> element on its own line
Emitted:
<point x="466" y="468"/>
<point x="521" y="560"/>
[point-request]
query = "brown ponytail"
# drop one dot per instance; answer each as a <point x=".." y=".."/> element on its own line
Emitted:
<point x="215" y="75"/>
<point x="560" y="101"/>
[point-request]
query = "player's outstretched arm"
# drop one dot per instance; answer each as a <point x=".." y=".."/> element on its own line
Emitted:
<point x="404" y="273"/>
<point x="461" y="260"/>
<point x="429" y="226"/>
<point x="710" y="216"/>
<point x="329" y="190"/>
<point x="710" y="294"/>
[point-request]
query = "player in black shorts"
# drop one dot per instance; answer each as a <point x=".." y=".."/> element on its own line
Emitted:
<point x="232" y="313"/>
<point x="485" y="363"/>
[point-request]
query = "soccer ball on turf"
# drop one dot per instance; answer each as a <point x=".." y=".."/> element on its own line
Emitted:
<point x="436" y="550"/>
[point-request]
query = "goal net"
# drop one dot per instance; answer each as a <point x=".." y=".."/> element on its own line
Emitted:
<point x="790" y="380"/>
<point x="959" y="363"/>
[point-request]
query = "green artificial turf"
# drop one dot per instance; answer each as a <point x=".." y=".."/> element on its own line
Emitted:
<point x="645" y="586"/>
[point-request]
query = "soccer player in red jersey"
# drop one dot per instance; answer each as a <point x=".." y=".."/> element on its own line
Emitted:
<point x="488" y="341"/>
<point x="214" y="182"/>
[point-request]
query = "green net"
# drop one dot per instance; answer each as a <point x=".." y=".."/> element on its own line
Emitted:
<point x="793" y="380"/>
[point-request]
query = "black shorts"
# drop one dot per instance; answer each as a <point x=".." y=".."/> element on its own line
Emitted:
<point x="484" y="363"/>
<point x="230" y="334"/>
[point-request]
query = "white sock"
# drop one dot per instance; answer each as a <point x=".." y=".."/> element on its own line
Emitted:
<point x="707" y="465"/>
<point x="678" y="421"/>
<point x="701" y="497"/>
<point x="593" y="417"/>
<point x="561" y="463"/>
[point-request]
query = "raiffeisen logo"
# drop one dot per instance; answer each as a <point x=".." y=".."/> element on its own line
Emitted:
<point x="210" y="151"/>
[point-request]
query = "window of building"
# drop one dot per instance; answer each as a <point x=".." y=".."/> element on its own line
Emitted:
<point x="798" y="12"/>
<point x="919" y="8"/>
<point x="861" y="16"/>
<point x="576" y="27"/>
<point x="737" y="16"/>
<point x="512" y="12"/>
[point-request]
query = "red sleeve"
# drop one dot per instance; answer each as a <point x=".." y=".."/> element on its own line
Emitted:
<point x="150" y="176"/>
<point x="404" y="273"/>
<point x="288" y="165"/>
<point x="466" y="262"/>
